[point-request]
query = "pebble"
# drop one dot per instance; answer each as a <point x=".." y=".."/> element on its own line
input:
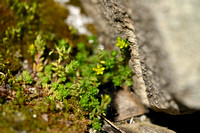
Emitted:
<point x="62" y="1"/>
<point x="19" y="114"/>
<point x="34" y="116"/>
<point x="58" y="106"/>
<point x="4" y="113"/>
<point x="92" y="130"/>
<point x="24" y="131"/>
<point x="91" y="41"/>
<point x="8" y="86"/>
<point x="101" y="47"/>
<point x="32" y="90"/>
<point x="68" y="123"/>
<point x="45" y="117"/>
<point x="143" y="118"/>
<point x="25" y="64"/>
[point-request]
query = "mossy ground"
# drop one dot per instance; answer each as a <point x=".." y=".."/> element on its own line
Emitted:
<point x="50" y="76"/>
<point x="27" y="113"/>
<point x="40" y="116"/>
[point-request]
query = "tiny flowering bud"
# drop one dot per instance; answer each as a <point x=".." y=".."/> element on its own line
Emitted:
<point x="32" y="49"/>
<point x="122" y="43"/>
<point x="98" y="70"/>
<point x="102" y="62"/>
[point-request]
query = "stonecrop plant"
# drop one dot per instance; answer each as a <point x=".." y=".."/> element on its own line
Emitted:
<point x="63" y="78"/>
<point x="122" y="43"/>
<point x="99" y="69"/>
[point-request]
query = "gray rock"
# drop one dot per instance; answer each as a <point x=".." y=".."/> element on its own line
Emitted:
<point x="178" y="23"/>
<point x="127" y="105"/>
<point x="164" y="48"/>
<point x="141" y="127"/>
<point x="144" y="127"/>
<point x="133" y="21"/>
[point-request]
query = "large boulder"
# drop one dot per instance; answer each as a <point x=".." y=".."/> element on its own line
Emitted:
<point x="153" y="72"/>
<point x="178" y="23"/>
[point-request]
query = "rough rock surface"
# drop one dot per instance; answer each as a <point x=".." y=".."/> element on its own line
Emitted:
<point x="178" y="23"/>
<point x="127" y="105"/>
<point x="144" y="127"/>
<point x="133" y="21"/>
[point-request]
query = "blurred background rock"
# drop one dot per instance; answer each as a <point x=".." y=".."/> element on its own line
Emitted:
<point x="178" y="23"/>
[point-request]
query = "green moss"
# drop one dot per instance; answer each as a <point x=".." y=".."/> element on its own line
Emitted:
<point x="38" y="117"/>
<point x="27" y="77"/>
<point x="59" y="90"/>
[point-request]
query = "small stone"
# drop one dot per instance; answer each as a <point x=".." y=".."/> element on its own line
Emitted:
<point x="19" y="117"/>
<point x="62" y="1"/>
<point x="58" y="106"/>
<point x="91" y="41"/>
<point x="127" y="105"/>
<point x="45" y="117"/>
<point x="92" y="130"/>
<point x="19" y="114"/>
<point x="8" y="86"/>
<point x="25" y="64"/>
<point x="144" y="127"/>
<point x="101" y="47"/>
<point x="68" y="123"/>
<point x="34" y="116"/>
<point x="4" y="113"/>
<point x="24" y="131"/>
<point x="143" y="118"/>
<point x="32" y="90"/>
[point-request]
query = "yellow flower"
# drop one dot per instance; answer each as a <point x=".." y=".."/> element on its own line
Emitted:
<point x="102" y="62"/>
<point x="98" y="70"/>
<point x="121" y="43"/>
<point x="32" y="49"/>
